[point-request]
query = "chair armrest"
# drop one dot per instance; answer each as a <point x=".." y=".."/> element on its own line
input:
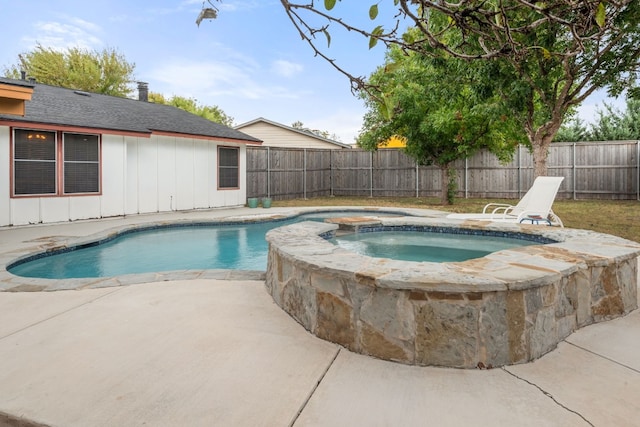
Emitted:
<point x="496" y="207"/>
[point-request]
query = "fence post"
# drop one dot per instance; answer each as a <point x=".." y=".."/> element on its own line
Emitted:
<point x="304" y="174"/>
<point x="574" y="171"/>
<point x="417" y="180"/>
<point x="638" y="169"/>
<point x="268" y="172"/>
<point x="371" y="174"/>
<point x="466" y="177"/>
<point x="519" y="170"/>
<point x="331" y="173"/>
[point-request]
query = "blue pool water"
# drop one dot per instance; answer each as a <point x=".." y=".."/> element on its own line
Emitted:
<point x="421" y="246"/>
<point x="238" y="247"/>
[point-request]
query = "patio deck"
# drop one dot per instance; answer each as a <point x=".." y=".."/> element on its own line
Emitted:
<point x="220" y="352"/>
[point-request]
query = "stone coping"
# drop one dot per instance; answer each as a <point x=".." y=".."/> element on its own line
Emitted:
<point x="508" y="307"/>
<point x="46" y="245"/>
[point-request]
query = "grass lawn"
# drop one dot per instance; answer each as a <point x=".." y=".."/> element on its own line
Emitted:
<point x="617" y="217"/>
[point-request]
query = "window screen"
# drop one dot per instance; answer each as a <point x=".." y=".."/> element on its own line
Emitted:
<point x="81" y="163"/>
<point x="54" y="163"/>
<point x="34" y="167"/>
<point x="228" y="169"/>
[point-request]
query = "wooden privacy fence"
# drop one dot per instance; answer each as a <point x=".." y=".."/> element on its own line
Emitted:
<point x="592" y="170"/>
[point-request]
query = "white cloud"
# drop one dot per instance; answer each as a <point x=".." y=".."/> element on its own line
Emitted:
<point x="237" y="5"/>
<point x="62" y="36"/>
<point x="226" y="6"/>
<point x="285" y="68"/>
<point x="215" y="79"/>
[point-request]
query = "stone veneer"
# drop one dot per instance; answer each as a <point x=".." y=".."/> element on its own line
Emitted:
<point x="509" y="307"/>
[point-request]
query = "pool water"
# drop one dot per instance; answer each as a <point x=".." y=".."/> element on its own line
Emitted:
<point x="425" y="246"/>
<point x="240" y="247"/>
<point x="215" y="246"/>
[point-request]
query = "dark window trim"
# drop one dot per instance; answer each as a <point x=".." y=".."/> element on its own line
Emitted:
<point x="237" y="149"/>
<point x="63" y="162"/>
<point x="59" y="169"/>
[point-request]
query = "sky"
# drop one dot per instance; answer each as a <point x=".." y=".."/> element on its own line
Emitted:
<point x="250" y="61"/>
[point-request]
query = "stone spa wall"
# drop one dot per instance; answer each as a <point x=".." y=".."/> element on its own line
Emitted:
<point x="509" y="307"/>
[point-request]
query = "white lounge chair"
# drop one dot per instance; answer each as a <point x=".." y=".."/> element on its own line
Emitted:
<point x="533" y="208"/>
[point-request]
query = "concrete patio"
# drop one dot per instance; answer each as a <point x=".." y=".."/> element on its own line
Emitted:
<point x="210" y="352"/>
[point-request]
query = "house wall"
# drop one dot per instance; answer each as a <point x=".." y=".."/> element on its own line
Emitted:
<point x="5" y="159"/>
<point x="274" y="136"/>
<point x="139" y="175"/>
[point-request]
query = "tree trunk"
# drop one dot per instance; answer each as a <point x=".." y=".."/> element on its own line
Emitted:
<point x="540" y="154"/>
<point x="540" y="140"/>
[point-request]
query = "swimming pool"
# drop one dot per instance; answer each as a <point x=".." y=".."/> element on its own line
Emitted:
<point x="203" y="246"/>
<point x="234" y="246"/>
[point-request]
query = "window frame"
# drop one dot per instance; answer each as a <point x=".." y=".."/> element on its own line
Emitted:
<point x="64" y="162"/>
<point x="220" y="167"/>
<point x="60" y="162"/>
<point x="15" y="161"/>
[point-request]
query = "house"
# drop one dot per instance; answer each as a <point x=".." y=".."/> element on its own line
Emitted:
<point x="275" y="134"/>
<point x="73" y="155"/>
<point x="394" y="142"/>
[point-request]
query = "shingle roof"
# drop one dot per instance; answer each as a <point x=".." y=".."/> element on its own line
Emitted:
<point x="65" y="107"/>
<point x="292" y="129"/>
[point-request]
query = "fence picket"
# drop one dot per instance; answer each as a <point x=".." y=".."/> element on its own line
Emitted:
<point x="593" y="170"/>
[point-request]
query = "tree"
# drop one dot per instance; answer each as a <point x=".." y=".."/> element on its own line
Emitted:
<point x="322" y="133"/>
<point x="550" y="56"/>
<point x="106" y="72"/>
<point x="213" y="113"/>
<point x="613" y="125"/>
<point x="572" y="130"/>
<point x="441" y="107"/>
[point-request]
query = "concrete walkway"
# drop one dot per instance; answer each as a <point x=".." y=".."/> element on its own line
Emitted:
<point x="221" y="353"/>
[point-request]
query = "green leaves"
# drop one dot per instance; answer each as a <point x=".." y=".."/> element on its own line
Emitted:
<point x="329" y="4"/>
<point x="107" y="71"/>
<point x="373" y="40"/>
<point x="386" y="107"/>
<point x="601" y="15"/>
<point x="373" y="12"/>
<point x="328" y="36"/>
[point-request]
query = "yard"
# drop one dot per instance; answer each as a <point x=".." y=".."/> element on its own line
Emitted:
<point x="617" y="217"/>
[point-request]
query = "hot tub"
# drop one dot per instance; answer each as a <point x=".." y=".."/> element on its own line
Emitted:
<point x="509" y="307"/>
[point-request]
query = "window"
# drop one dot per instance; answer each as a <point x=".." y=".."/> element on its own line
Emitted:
<point x="228" y="167"/>
<point x="49" y="163"/>
<point x="34" y="162"/>
<point x="81" y="163"/>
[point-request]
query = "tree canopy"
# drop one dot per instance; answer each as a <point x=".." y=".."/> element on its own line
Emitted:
<point x="444" y="108"/>
<point x="548" y="56"/>
<point x="106" y="72"/>
<point x="611" y="125"/>
<point x="322" y="133"/>
<point x="213" y="113"/>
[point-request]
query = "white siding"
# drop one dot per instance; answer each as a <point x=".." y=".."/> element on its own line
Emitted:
<point x="53" y="209"/>
<point x="146" y="176"/>
<point x="139" y="175"/>
<point x="185" y="182"/>
<point x="166" y="176"/>
<point x="114" y="174"/>
<point x="5" y="178"/>
<point x="84" y="207"/>
<point x="201" y="181"/>
<point x="130" y="164"/>
<point x="275" y="136"/>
